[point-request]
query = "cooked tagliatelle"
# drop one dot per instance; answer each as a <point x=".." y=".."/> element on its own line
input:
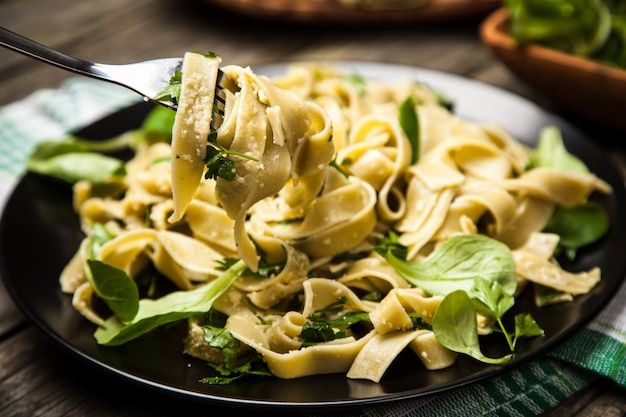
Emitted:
<point x="361" y="210"/>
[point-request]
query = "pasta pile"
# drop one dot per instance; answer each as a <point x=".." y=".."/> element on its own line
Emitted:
<point x="333" y="172"/>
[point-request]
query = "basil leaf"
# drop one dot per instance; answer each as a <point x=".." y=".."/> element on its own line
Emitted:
<point x="578" y="226"/>
<point x="551" y="153"/>
<point x="357" y="82"/>
<point x="454" y="325"/>
<point x="172" y="307"/>
<point x="158" y="124"/>
<point x="457" y="263"/>
<point x="409" y="121"/>
<point x="115" y="287"/>
<point x="75" y="166"/>
<point x="99" y="236"/>
<point x="72" y="159"/>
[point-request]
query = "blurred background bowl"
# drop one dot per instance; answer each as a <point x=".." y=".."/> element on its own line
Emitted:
<point x="578" y="86"/>
<point x="332" y="12"/>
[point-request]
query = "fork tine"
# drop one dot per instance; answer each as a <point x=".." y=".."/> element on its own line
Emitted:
<point x="219" y="103"/>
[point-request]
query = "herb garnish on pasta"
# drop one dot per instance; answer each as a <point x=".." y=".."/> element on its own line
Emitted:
<point x="364" y="219"/>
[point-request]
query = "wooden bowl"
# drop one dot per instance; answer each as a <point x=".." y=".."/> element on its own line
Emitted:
<point x="579" y="86"/>
<point x="331" y="12"/>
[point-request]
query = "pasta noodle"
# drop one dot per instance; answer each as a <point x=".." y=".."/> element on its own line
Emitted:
<point x="329" y="173"/>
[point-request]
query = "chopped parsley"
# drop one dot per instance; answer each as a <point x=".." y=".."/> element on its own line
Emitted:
<point x="172" y="91"/>
<point x="217" y="160"/>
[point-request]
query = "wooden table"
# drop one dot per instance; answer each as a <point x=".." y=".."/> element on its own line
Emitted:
<point x="36" y="378"/>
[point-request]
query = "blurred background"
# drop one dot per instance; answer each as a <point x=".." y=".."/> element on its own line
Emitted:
<point x="119" y="31"/>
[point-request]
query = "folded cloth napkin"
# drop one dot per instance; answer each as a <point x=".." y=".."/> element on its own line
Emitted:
<point x="597" y="350"/>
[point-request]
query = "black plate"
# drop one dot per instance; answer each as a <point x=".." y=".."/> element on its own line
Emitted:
<point x="39" y="232"/>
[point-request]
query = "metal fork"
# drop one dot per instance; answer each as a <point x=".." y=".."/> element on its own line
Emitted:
<point x="147" y="78"/>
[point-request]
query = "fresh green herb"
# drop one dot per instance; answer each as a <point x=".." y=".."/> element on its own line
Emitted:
<point x="250" y="365"/>
<point x="349" y="256"/>
<point x="158" y="124"/>
<point x="319" y="331"/>
<point x="98" y="236"/>
<point x="455" y="264"/>
<point x="418" y="322"/>
<point x="223" y="341"/>
<point x="373" y="296"/>
<point x="335" y="306"/>
<point x="409" y="121"/>
<point x="357" y="82"/>
<point x="335" y="165"/>
<point x="391" y="244"/>
<point x="210" y="54"/>
<point x="171" y="93"/>
<point x="491" y="301"/>
<point x="254" y="311"/>
<point x="226" y="263"/>
<point x="481" y="267"/>
<point x="545" y="295"/>
<point x="593" y="29"/>
<point x="577" y="226"/>
<point x="526" y="326"/>
<point x="175" y="306"/>
<point x="162" y="159"/>
<point x="454" y="325"/>
<point x="286" y="222"/>
<point x="550" y="152"/>
<point x="217" y="162"/>
<point x="320" y="328"/>
<point x="348" y="319"/>
<point x="113" y="285"/>
<point x="265" y="269"/>
<point x="115" y="288"/>
<point x="147" y="279"/>
<point x="443" y="100"/>
<point x="219" y="166"/>
<point x="215" y="318"/>
<point x="73" y="159"/>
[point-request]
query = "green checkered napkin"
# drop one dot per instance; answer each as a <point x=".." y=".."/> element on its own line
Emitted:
<point x="598" y="350"/>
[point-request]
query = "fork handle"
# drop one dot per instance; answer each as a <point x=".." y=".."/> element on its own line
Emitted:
<point x="30" y="48"/>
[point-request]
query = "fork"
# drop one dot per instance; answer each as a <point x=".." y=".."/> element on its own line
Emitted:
<point x="147" y="78"/>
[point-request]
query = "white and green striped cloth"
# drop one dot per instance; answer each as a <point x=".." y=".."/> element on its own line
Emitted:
<point x="596" y="351"/>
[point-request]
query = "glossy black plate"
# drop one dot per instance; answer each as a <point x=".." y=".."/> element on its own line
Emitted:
<point x="39" y="232"/>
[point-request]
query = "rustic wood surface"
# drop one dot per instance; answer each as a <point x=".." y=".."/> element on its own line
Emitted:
<point x="36" y="378"/>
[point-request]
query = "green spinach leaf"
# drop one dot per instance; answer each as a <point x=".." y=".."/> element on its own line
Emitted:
<point x="158" y="124"/>
<point x="456" y="264"/>
<point x="551" y="152"/>
<point x="115" y="288"/>
<point x="454" y="325"/>
<point x="170" y="308"/>
<point x="409" y="121"/>
<point x="577" y="226"/>
<point x="72" y="159"/>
